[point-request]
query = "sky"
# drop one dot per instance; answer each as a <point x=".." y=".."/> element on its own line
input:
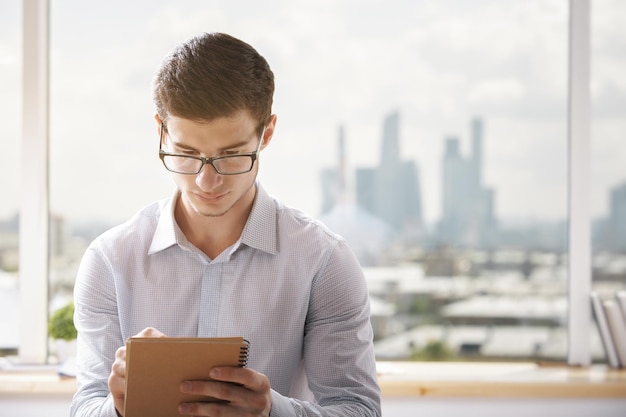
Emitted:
<point x="336" y="62"/>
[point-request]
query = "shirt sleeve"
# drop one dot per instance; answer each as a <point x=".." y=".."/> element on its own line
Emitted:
<point x="97" y="322"/>
<point x="338" y="351"/>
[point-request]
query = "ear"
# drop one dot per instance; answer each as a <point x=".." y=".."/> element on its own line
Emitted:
<point x="158" y="121"/>
<point x="159" y="124"/>
<point x="269" y="131"/>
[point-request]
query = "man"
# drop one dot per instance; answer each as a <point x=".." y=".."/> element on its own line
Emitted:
<point x="223" y="258"/>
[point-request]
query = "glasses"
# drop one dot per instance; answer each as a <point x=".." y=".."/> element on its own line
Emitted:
<point x="223" y="165"/>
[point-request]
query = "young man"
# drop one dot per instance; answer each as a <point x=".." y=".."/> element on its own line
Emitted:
<point x="223" y="258"/>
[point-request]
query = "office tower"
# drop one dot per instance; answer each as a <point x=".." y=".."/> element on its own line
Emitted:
<point x="617" y="217"/>
<point x="391" y="191"/>
<point x="341" y="174"/>
<point x="334" y="179"/>
<point x="328" y="178"/>
<point x="367" y="235"/>
<point x="468" y="216"/>
<point x="454" y="187"/>
<point x="477" y="151"/>
<point x="366" y="188"/>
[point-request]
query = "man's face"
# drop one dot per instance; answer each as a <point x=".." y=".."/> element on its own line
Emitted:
<point x="208" y="193"/>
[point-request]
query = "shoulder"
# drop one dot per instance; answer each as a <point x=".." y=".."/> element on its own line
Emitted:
<point x="307" y="238"/>
<point x="139" y="228"/>
<point x="299" y="224"/>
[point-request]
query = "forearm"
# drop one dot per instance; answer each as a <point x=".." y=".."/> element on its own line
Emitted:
<point x="290" y="407"/>
<point x="86" y="405"/>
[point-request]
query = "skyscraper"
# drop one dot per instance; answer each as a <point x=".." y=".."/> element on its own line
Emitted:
<point x="334" y="182"/>
<point x="617" y="217"/>
<point x="468" y="215"/>
<point x="367" y="234"/>
<point x="391" y="191"/>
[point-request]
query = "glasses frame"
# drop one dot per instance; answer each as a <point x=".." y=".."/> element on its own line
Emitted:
<point x="208" y="160"/>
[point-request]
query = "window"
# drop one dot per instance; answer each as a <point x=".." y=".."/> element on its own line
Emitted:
<point x="440" y="128"/>
<point x="10" y="163"/>
<point x="608" y="128"/>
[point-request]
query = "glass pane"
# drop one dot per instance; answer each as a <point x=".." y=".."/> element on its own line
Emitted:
<point x="456" y="140"/>
<point x="10" y="166"/>
<point x="431" y="134"/>
<point x="608" y="130"/>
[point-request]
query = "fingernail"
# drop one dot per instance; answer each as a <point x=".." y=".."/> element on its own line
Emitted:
<point x="183" y="408"/>
<point x="185" y="387"/>
<point x="215" y="373"/>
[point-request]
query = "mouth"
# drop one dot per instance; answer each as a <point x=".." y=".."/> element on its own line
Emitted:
<point x="210" y="198"/>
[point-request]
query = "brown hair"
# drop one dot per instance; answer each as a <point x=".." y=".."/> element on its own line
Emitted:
<point x="213" y="75"/>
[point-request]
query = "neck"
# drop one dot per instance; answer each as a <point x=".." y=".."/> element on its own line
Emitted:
<point x="213" y="234"/>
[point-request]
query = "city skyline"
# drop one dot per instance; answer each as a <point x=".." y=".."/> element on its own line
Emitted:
<point x="386" y="200"/>
<point x="466" y="167"/>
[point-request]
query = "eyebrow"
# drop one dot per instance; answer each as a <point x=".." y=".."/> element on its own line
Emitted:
<point x="191" y="148"/>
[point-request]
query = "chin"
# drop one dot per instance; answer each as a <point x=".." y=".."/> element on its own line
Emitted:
<point x="213" y="211"/>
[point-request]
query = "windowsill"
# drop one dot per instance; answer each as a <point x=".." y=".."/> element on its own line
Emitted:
<point x="416" y="379"/>
<point x="499" y="379"/>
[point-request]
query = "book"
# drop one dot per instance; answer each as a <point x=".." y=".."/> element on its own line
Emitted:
<point x="620" y="296"/>
<point x="156" y="366"/>
<point x="617" y="327"/>
<point x="603" y="328"/>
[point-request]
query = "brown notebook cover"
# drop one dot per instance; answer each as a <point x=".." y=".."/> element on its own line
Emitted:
<point x="155" y="368"/>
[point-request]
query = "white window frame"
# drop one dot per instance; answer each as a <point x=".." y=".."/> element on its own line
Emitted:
<point x="579" y="184"/>
<point x="34" y="212"/>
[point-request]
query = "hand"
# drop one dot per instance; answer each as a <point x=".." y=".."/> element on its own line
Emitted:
<point x="117" y="378"/>
<point x="245" y="391"/>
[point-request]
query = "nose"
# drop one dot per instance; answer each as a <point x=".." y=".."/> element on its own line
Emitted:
<point x="208" y="178"/>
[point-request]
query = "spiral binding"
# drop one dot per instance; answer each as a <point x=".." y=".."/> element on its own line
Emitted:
<point x="243" y="354"/>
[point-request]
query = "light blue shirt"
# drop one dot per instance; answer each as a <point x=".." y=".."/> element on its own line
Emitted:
<point x="289" y="285"/>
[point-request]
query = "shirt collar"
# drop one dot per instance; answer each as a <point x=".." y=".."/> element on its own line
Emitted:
<point x="259" y="231"/>
<point x="166" y="230"/>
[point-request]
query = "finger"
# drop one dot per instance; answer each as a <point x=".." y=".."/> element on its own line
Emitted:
<point x="117" y="386"/>
<point x="210" y="409"/>
<point x="247" y="377"/>
<point x="228" y="399"/>
<point x="119" y="365"/>
<point x="150" y="332"/>
<point x="117" y="379"/>
<point x="120" y="354"/>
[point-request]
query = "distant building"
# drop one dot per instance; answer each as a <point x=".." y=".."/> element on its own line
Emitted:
<point x="468" y="217"/>
<point x="329" y="189"/>
<point x="391" y="191"/>
<point x="367" y="234"/>
<point x="333" y="178"/>
<point x="617" y="217"/>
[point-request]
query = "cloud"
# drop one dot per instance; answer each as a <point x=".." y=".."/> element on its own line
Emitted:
<point x="496" y="90"/>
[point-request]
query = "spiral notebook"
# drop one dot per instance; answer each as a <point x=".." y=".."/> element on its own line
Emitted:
<point x="155" y="368"/>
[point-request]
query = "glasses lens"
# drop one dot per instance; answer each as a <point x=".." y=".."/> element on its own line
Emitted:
<point x="233" y="164"/>
<point x="182" y="164"/>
